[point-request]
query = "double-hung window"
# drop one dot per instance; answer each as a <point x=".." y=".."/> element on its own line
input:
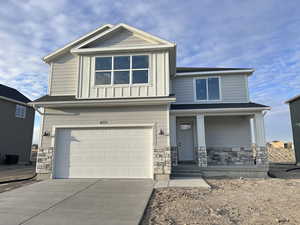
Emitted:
<point x="207" y="89"/>
<point x="131" y="69"/>
<point x="20" y="111"/>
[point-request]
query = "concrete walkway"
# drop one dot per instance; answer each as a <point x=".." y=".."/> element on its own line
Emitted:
<point x="198" y="182"/>
<point x="76" y="202"/>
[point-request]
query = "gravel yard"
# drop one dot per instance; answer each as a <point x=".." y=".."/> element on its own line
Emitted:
<point x="236" y="201"/>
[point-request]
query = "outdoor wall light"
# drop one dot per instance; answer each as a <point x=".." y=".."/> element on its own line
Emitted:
<point x="46" y="134"/>
<point x="161" y="132"/>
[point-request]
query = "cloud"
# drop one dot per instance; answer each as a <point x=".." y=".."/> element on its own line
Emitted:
<point x="257" y="34"/>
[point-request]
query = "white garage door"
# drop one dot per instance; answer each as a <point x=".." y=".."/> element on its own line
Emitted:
<point x="103" y="153"/>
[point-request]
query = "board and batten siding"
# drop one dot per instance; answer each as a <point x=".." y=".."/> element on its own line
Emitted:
<point x="64" y="75"/>
<point x="159" y="79"/>
<point x="158" y="115"/>
<point x="234" y="88"/>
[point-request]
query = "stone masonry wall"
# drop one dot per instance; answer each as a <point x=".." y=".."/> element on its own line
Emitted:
<point x="162" y="161"/>
<point x="230" y="156"/>
<point x="44" y="160"/>
<point x="261" y="155"/>
<point x="201" y="156"/>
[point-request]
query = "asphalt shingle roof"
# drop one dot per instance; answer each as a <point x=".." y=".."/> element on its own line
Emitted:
<point x="216" y="106"/>
<point x="205" y="69"/>
<point x="12" y="93"/>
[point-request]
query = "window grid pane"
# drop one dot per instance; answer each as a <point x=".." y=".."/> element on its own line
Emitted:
<point x="213" y="88"/>
<point x="201" y="89"/>
<point x="121" y="62"/>
<point x="103" y="63"/>
<point x="139" y="76"/>
<point x="140" y="61"/>
<point x="121" y="77"/>
<point x="132" y="69"/>
<point x="102" y="78"/>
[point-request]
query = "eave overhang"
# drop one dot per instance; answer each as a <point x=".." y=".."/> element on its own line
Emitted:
<point x="104" y="102"/>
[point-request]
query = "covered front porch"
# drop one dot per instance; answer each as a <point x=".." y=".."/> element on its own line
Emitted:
<point x="218" y="142"/>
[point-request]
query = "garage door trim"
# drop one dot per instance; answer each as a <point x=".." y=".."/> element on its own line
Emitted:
<point x="55" y="127"/>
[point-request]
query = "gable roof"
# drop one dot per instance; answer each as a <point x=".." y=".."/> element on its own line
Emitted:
<point x="12" y="94"/>
<point x="68" y="46"/>
<point x="144" y="35"/>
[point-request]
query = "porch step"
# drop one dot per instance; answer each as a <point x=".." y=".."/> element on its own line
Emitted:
<point x="186" y="175"/>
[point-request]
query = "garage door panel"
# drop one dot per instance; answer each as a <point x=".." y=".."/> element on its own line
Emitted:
<point x="104" y="152"/>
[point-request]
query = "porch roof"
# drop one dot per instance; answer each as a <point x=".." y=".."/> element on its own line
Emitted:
<point x="217" y="106"/>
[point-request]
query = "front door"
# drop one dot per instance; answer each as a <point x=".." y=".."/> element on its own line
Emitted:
<point x="185" y="138"/>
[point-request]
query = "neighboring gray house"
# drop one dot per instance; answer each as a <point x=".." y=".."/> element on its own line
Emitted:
<point x="295" y="119"/>
<point x="16" y="119"/>
<point x="118" y="107"/>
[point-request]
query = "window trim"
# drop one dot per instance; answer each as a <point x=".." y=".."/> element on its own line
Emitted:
<point x="21" y="111"/>
<point x="117" y="70"/>
<point x="206" y="78"/>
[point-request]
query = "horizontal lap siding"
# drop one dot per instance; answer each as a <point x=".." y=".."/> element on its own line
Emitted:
<point x="64" y="75"/>
<point x="229" y="131"/>
<point x="233" y="88"/>
<point x="113" y="115"/>
<point x="121" y="39"/>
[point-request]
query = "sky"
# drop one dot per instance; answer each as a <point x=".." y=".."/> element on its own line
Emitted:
<point x="258" y="34"/>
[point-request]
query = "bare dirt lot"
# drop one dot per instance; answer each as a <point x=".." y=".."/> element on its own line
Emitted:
<point x="236" y="201"/>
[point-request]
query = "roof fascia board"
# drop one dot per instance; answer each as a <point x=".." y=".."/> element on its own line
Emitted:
<point x="132" y="29"/>
<point x="250" y="71"/>
<point x="53" y="54"/>
<point x="108" y="49"/>
<point x="105" y="102"/>
<point x="292" y="99"/>
<point x="14" y="101"/>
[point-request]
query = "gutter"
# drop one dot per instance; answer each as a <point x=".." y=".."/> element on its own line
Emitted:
<point x="16" y="101"/>
<point x="214" y="72"/>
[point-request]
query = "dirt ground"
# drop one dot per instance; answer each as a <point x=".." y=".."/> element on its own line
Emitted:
<point x="230" y="201"/>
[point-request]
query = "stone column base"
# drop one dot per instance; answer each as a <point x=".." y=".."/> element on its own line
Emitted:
<point x="261" y="155"/>
<point x="201" y="156"/>
<point x="44" y="160"/>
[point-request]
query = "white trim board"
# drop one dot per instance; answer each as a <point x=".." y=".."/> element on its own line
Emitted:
<point x="58" y="51"/>
<point x="129" y="28"/>
<point x="15" y="101"/>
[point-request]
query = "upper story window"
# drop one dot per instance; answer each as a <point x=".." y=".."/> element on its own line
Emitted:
<point x="131" y="69"/>
<point x="20" y="111"/>
<point x="207" y="89"/>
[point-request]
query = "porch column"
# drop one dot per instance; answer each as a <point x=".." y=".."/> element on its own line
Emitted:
<point x="260" y="139"/>
<point x="201" y="146"/>
<point x="173" y="142"/>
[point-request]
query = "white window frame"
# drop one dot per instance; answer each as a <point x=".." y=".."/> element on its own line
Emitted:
<point x="207" y="100"/>
<point x="20" y="111"/>
<point x="119" y="70"/>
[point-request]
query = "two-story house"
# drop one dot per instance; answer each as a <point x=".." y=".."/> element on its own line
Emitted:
<point x="118" y="107"/>
<point x="16" y="126"/>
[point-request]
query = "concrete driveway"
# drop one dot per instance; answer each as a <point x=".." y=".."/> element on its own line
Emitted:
<point x="76" y="202"/>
